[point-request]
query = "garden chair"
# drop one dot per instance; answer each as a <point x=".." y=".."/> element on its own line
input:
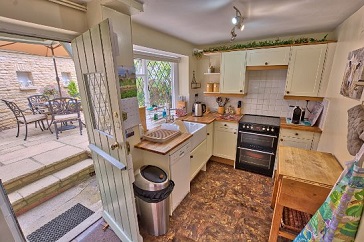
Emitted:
<point x="26" y="119"/>
<point x="64" y="110"/>
<point x="37" y="104"/>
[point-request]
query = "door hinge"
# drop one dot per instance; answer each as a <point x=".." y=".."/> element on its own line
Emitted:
<point x="127" y="147"/>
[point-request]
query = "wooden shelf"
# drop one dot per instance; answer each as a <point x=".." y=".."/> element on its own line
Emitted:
<point x="219" y="94"/>
<point x="213" y="73"/>
<point x="317" y="99"/>
<point x="262" y="68"/>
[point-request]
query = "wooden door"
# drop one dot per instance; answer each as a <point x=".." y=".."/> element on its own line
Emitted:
<point x="100" y="97"/>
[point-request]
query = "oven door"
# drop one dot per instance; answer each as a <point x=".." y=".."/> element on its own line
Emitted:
<point x="263" y="140"/>
<point x="258" y="161"/>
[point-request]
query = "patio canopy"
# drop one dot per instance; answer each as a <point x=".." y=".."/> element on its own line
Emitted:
<point x="35" y="49"/>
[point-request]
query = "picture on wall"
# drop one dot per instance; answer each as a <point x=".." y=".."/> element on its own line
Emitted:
<point x="127" y="80"/>
<point x="353" y="73"/>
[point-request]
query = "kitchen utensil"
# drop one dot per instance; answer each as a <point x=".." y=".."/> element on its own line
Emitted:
<point x="239" y="104"/>
<point x="199" y="109"/>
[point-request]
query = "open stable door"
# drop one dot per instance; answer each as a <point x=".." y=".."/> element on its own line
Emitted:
<point x="9" y="226"/>
<point x="100" y="98"/>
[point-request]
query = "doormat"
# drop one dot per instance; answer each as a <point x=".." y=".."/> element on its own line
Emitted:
<point x="61" y="225"/>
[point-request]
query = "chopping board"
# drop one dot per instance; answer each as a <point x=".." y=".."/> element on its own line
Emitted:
<point x="181" y="104"/>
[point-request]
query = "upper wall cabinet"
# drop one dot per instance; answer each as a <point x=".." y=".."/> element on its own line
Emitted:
<point x="268" y="57"/>
<point x="305" y="70"/>
<point x="233" y="65"/>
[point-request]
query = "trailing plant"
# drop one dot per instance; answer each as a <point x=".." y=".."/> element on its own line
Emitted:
<point x="50" y="90"/>
<point x="73" y="90"/>
<point x="257" y="44"/>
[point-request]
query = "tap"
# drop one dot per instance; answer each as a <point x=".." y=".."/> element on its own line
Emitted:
<point x="169" y="117"/>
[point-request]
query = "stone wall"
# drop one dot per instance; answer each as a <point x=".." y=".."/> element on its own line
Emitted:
<point x="42" y="74"/>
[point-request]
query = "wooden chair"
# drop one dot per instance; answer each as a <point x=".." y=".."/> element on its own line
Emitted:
<point x="26" y="119"/>
<point x="64" y="110"/>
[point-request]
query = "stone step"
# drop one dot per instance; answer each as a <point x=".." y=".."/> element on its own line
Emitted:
<point x="43" y="189"/>
<point x="23" y="172"/>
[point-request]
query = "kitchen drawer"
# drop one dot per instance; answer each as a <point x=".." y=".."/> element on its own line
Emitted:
<point x="226" y="126"/>
<point x="297" y="133"/>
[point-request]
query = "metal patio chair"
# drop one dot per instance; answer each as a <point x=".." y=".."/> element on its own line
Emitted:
<point x="37" y="104"/>
<point x="22" y="118"/>
<point x="64" y="110"/>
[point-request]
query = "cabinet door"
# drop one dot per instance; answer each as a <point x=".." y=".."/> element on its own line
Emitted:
<point x="210" y="139"/>
<point x="268" y="57"/>
<point x="198" y="159"/>
<point x="225" y="139"/>
<point x="305" y="70"/>
<point x="233" y="72"/>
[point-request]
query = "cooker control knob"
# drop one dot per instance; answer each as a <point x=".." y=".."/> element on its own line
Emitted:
<point x="251" y="127"/>
<point x="243" y="126"/>
<point x="272" y="129"/>
<point x="264" y="129"/>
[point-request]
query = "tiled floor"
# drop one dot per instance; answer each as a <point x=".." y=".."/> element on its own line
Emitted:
<point x="224" y="205"/>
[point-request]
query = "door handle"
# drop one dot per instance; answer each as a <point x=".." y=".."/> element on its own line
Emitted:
<point x="114" y="146"/>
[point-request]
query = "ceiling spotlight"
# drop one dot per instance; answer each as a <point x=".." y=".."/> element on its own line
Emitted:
<point x="238" y="23"/>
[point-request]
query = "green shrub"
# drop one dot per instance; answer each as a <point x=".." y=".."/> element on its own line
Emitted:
<point x="73" y="90"/>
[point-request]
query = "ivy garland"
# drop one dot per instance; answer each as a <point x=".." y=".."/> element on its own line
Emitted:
<point x="255" y="44"/>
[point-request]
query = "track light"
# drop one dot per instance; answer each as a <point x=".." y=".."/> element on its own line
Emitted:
<point x="238" y="23"/>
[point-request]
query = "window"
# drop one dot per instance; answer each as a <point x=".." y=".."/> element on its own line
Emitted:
<point x="24" y="78"/>
<point x="155" y="82"/>
<point x="66" y="78"/>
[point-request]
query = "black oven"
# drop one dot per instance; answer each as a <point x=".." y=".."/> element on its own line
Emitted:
<point x="257" y="144"/>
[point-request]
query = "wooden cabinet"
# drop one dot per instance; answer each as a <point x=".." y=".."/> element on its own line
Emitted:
<point x="198" y="159"/>
<point x="268" y="57"/>
<point x="225" y="139"/>
<point x="299" y="139"/>
<point x="210" y="139"/>
<point x="233" y="68"/>
<point x="305" y="70"/>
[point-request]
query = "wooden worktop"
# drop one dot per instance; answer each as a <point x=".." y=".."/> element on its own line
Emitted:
<point x="163" y="148"/>
<point x="285" y="125"/>
<point x="211" y="117"/>
<point x="308" y="166"/>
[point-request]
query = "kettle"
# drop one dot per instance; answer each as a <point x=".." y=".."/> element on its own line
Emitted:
<point x="198" y="109"/>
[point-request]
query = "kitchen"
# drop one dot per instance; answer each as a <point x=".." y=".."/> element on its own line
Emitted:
<point x="330" y="130"/>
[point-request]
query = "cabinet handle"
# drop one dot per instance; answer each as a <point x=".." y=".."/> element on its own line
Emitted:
<point x="266" y="63"/>
<point x="234" y="132"/>
<point x="225" y="124"/>
<point x="191" y="156"/>
<point x="281" y="139"/>
<point x="208" y="133"/>
<point x="296" y="134"/>
<point x="240" y="90"/>
<point x="287" y="92"/>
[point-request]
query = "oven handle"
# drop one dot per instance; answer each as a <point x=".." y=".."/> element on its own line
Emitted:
<point x="266" y="135"/>
<point x="258" y="151"/>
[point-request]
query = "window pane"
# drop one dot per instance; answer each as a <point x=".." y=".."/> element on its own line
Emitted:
<point x="140" y="91"/>
<point x="66" y="78"/>
<point x="139" y="70"/>
<point x="159" y="82"/>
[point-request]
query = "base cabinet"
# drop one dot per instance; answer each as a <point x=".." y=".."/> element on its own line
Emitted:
<point x="198" y="159"/>
<point x="210" y="139"/>
<point x="299" y="139"/>
<point x="225" y="140"/>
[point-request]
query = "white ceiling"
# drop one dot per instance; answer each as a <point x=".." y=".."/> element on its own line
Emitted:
<point x="203" y="22"/>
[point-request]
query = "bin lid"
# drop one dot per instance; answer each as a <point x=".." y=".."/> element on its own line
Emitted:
<point x="151" y="178"/>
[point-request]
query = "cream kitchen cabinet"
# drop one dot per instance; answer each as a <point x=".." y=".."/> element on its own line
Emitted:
<point x="232" y="76"/>
<point x="225" y="138"/>
<point x="305" y="70"/>
<point x="299" y="139"/>
<point x="210" y="139"/>
<point x="198" y="159"/>
<point x="268" y="57"/>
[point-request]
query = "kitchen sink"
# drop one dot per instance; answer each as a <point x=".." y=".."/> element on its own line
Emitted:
<point x="198" y="131"/>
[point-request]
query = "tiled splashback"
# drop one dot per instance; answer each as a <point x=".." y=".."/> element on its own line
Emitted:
<point x="265" y="95"/>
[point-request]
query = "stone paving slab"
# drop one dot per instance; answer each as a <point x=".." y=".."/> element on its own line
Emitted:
<point x="37" y="186"/>
<point x="67" y="172"/>
<point x="54" y="155"/>
<point x="18" y="169"/>
<point x="9" y="158"/>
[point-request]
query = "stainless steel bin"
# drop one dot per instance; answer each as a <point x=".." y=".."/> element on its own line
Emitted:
<point x="152" y="189"/>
